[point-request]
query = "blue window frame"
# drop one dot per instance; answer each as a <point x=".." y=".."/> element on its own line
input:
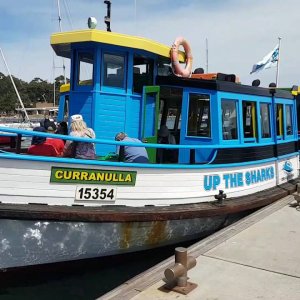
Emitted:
<point x="229" y="119"/>
<point x="289" y="120"/>
<point x="279" y="120"/>
<point x="199" y="116"/>
<point x="249" y="121"/>
<point x="265" y="120"/>
<point x="142" y="72"/>
<point x="113" y="70"/>
<point x="85" y="74"/>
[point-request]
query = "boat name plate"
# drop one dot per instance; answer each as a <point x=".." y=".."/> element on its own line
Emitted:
<point x="92" y="176"/>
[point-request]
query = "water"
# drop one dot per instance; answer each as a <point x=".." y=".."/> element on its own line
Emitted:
<point x="87" y="279"/>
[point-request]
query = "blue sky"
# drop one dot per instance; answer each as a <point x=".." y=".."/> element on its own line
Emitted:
<point x="240" y="33"/>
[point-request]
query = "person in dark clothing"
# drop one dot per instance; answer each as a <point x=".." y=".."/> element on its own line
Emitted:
<point x="45" y="146"/>
<point x="37" y="140"/>
<point x="62" y="128"/>
<point x="46" y="123"/>
<point x="40" y="146"/>
<point x="166" y="155"/>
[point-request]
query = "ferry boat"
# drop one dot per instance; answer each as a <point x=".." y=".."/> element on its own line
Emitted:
<point x="236" y="149"/>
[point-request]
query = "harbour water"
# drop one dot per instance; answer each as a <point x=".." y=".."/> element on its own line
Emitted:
<point x="86" y="280"/>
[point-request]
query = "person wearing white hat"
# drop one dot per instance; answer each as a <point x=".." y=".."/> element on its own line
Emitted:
<point x="83" y="150"/>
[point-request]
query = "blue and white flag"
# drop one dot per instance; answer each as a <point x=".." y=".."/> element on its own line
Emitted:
<point x="270" y="60"/>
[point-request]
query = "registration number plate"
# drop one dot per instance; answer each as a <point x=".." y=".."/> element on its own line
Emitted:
<point x="95" y="194"/>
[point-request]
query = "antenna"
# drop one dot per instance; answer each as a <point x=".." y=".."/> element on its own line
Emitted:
<point x="60" y="29"/>
<point x="107" y="17"/>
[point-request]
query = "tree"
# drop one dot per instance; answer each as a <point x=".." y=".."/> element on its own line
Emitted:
<point x="34" y="91"/>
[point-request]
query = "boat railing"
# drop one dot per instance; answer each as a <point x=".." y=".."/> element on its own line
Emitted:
<point x="20" y="132"/>
<point x="20" y="135"/>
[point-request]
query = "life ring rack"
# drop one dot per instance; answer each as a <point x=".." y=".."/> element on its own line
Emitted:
<point x="176" y="67"/>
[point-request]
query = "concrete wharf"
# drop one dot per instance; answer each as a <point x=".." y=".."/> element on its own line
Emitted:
<point x="257" y="257"/>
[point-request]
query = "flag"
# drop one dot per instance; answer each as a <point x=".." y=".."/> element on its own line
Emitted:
<point x="270" y="60"/>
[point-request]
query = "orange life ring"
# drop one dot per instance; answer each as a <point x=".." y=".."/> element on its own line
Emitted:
<point x="177" y="69"/>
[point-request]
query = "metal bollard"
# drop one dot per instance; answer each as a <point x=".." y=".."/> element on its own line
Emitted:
<point x="298" y="188"/>
<point x="176" y="276"/>
<point x="220" y="197"/>
<point x="297" y="197"/>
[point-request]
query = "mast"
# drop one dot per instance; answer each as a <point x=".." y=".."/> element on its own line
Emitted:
<point x="135" y="14"/>
<point x="16" y="90"/>
<point x="206" y="42"/>
<point x="53" y="67"/>
<point x="60" y="29"/>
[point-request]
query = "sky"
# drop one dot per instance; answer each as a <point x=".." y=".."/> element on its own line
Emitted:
<point x="239" y="33"/>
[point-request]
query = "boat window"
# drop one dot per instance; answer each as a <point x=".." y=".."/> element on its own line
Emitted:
<point x="289" y="123"/>
<point x="164" y="69"/>
<point x="229" y="121"/>
<point x="173" y="118"/>
<point x="113" y="70"/>
<point x="142" y="73"/>
<point x="199" y="115"/>
<point x="279" y="119"/>
<point x="249" y="119"/>
<point x="170" y="116"/>
<point x="85" y="70"/>
<point x="265" y="120"/>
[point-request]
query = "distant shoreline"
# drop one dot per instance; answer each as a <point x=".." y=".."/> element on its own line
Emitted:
<point x="14" y="119"/>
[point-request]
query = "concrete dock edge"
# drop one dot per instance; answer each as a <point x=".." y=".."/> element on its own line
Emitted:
<point x="141" y="282"/>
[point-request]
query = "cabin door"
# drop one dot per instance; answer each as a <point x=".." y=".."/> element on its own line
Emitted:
<point x="150" y="110"/>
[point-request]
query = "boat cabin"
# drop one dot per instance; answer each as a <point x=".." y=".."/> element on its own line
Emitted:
<point x="125" y="83"/>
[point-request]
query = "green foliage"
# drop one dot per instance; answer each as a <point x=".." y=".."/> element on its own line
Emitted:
<point x="37" y="90"/>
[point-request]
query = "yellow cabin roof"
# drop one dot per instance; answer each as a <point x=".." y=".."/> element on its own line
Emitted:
<point x="64" y="88"/>
<point x="296" y="90"/>
<point x="61" y="42"/>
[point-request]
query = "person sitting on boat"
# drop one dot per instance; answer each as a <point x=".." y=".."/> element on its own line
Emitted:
<point x="165" y="137"/>
<point x="83" y="150"/>
<point x="62" y="128"/>
<point x="40" y="145"/>
<point x="47" y="122"/>
<point x="58" y="144"/>
<point x="131" y="153"/>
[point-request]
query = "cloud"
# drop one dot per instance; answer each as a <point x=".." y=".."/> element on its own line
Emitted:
<point x="239" y="33"/>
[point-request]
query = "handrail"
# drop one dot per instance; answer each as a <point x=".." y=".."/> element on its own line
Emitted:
<point x="120" y="143"/>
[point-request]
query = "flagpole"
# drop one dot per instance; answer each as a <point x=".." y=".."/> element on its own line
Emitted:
<point x="277" y="69"/>
<point x="206" y="55"/>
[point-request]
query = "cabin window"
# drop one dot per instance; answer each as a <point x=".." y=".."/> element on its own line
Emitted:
<point x="86" y="67"/>
<point x="170" y="110"/>
<point x="164" y="69"/>
<point x="229" y="121"/>
<point x="173" y="118"/>
<point x="289" y="123"/>
<point x="113" y="73"/>
<point x="249" y="119"/>
<point x="199" y="115"/>
<point x="142" y="73"/>
<point x="265" y="120"/>
<point x="279" y="119"/>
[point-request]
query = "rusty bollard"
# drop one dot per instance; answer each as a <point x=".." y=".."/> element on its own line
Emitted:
<point x="176" y="276"/>
<point x="297" y="196"/>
